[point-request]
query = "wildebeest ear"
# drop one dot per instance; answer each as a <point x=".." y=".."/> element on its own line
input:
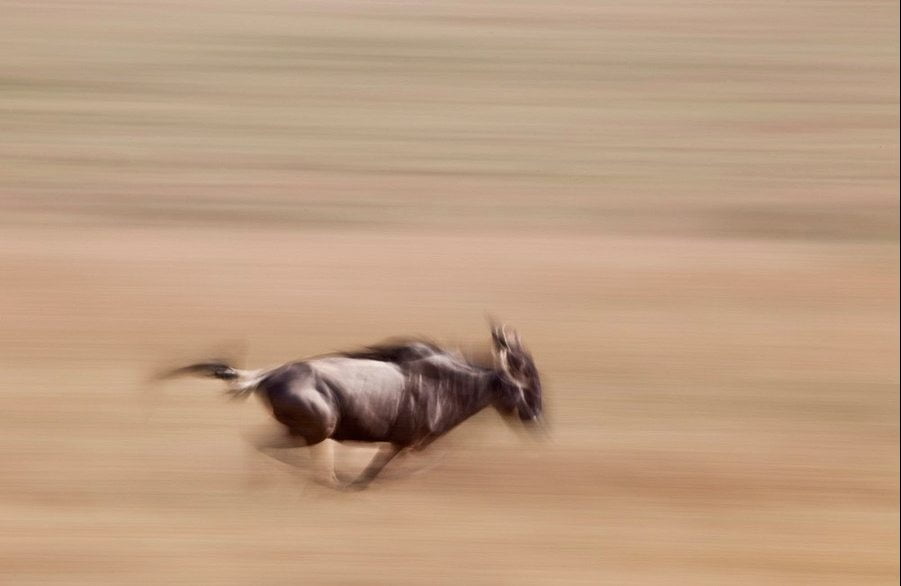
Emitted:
<point x="497" y="336"/>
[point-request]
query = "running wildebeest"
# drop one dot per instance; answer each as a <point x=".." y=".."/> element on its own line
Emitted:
<point x="404" y="395"/>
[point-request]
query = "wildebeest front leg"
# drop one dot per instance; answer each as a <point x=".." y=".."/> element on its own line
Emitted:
<point x="385" y="454"/>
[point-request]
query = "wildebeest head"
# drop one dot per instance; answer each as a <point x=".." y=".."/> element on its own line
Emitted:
<point x="521" y="384"/>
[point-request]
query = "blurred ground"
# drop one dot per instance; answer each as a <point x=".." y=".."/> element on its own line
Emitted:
<point x="689" y="211"/>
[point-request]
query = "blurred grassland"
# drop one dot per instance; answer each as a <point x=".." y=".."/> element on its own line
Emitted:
<point x="727" y="119"/>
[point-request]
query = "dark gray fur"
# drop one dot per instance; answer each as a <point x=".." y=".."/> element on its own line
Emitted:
<point x="406" y="394"/>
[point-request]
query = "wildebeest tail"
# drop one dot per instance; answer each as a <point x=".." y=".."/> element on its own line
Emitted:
<point x="218" y="370"/>
<point x="241" y="383"/>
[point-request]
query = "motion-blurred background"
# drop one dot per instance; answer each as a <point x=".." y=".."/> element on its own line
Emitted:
<point x="688" y="209"/>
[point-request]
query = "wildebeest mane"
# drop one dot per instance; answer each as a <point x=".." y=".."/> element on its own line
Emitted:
<point x="395" y="350"/>
<point x="442" y="391"/>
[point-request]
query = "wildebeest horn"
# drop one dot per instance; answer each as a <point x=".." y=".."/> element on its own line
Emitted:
<point x="506" y="336"/>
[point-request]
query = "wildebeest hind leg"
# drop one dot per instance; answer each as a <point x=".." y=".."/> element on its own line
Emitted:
<point x="278" y="446"/>
<point x="323" y="454"/>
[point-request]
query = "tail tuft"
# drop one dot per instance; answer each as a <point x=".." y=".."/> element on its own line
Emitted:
<point x="218" y="370"/>
<point x="241" y="383"/>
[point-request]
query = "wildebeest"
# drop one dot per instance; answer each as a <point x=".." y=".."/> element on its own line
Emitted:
<point x="404" y="395"/>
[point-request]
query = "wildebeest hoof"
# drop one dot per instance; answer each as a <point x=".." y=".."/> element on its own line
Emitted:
<point x="329" y="483"/>
<point x="355" y="486"/>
